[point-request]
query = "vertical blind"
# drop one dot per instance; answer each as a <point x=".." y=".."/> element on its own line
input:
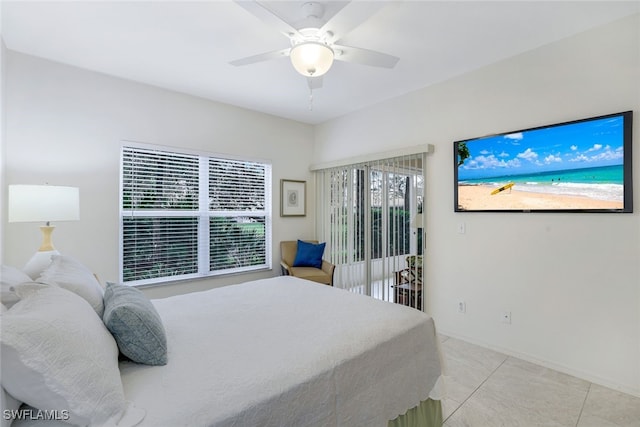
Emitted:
<point x="187" y="215"/>
<point x="366" y="214"/>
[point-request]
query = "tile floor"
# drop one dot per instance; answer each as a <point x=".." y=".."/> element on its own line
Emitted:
<point x="485" y="388"/>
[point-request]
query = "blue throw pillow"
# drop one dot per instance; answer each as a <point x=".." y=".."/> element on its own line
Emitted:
<point x="309" y="254"/>
<point x="135" y="325"/>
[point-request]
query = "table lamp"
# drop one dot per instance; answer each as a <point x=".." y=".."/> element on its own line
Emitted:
<point x="43" y="203"/>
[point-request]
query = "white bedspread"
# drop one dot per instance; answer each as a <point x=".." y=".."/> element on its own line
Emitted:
<point x="285" y="352"/>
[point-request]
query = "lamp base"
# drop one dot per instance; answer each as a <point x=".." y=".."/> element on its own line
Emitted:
<point x="38" y="263"/>
<point x="47" y="243"/>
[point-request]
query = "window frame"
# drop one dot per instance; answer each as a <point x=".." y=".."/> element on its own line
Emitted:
<point x="203" y="215"/>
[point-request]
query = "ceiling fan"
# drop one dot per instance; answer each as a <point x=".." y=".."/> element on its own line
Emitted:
<point x="315" y="43"/>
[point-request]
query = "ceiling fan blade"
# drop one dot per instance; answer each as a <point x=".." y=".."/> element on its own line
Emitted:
<point x="314" y="82"/>
<point x="364" y="56"/>
<point x="267" y="56"/>
<point x="268" y="17"/>
<point x="349" y="17"/>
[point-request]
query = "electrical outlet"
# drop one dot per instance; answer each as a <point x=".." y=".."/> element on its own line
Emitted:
<point x="462" y="307"/>
<point x="506" y="317"/>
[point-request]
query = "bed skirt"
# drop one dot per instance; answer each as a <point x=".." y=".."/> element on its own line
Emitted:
<point x="427" y="414"/>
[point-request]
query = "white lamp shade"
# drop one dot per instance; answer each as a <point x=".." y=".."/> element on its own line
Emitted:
<point x="311" y="59"/>
<point x="41" y="203"/>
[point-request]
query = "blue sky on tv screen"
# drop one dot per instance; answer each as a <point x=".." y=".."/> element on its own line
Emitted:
<point x="587" y="144"/>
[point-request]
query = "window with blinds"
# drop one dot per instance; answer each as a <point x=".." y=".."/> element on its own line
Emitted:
<point x="187" y="215"/>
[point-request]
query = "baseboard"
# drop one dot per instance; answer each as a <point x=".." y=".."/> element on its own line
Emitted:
<point x="547" y="364"/>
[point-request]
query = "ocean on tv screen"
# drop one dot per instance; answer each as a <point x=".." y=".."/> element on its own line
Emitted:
<point x="575" y="160"/>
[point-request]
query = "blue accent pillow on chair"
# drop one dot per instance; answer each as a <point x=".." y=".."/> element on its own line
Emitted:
<point x="309" y="254"/>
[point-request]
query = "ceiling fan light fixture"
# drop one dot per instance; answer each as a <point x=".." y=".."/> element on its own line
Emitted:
<point x="311" y="58"/>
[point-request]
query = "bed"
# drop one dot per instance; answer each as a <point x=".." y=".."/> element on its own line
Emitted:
<point x="287" y="352"/>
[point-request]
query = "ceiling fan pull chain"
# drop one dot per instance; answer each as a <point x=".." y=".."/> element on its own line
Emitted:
<point x="310" y="99"/>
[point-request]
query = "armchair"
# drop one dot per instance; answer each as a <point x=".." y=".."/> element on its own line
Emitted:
<point x="321" y="275"/>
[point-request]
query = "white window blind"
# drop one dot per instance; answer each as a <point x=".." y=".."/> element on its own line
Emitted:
<point x="238" y="201"/>
<point x="186" y="215"/>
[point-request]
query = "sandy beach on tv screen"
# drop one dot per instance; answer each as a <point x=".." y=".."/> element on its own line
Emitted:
<point x="478" y="197"/>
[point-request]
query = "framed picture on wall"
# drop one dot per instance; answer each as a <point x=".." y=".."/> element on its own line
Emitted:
<point x="293" y="198"/>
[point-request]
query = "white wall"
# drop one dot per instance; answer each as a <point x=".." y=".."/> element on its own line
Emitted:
<point x="3" y="187"/>
<point x="571" y="281"/>
<point x="64" y="126"/>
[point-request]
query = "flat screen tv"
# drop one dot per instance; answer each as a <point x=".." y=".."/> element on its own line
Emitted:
<point x="578" y="166"/>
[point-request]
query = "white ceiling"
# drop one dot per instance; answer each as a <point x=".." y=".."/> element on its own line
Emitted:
<point x="186" y="46"/>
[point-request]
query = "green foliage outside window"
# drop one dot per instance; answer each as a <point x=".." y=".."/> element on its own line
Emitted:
<point x="398" y="230"/>
<point x="158" y="251"/>
<point x="236" y="244"/>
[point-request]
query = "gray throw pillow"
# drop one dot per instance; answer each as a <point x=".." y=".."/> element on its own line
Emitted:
<point x="135" y="325"/>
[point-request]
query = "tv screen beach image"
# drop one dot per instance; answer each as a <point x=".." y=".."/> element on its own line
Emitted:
<point x="573" y="166"/>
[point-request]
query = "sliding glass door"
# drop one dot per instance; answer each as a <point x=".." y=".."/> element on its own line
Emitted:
<point x="367" y="215"/>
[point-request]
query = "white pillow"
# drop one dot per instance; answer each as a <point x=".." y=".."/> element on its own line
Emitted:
<point x="8" y="403"/>
<point x="38" y="262"/>
<point x="72" y="275"/>
<point x="57" y="355"/>
<point x="9" y="278"/>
